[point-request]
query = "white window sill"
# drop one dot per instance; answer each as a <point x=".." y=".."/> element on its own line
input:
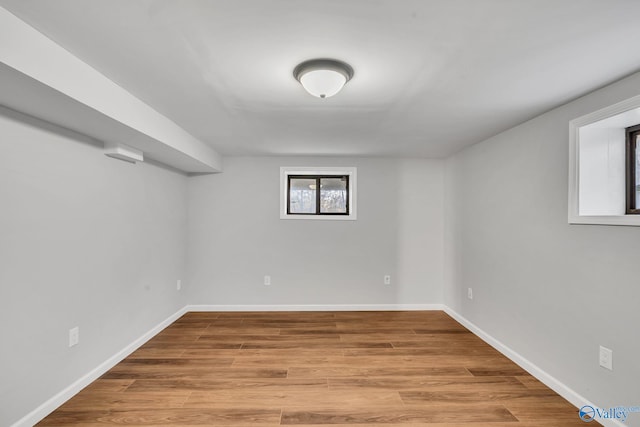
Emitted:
<point x="628" y="220"/>
<point x="320" y="217"/>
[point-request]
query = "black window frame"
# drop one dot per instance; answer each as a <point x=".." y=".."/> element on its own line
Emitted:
<point x="631" y="135"/>
<point x="318" y="178"/>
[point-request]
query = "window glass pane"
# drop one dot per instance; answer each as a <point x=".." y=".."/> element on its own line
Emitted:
<point x="637" y="159"/>
<point x="302" y="195"/>
<point x="333" y="195"/>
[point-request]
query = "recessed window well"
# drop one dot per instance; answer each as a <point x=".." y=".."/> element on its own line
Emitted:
<point x="603" y="166"/>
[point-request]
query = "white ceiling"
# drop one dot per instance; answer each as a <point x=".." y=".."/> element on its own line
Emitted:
<point x="431" y="76"/>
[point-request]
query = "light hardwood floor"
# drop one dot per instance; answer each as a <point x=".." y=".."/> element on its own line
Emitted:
<point x="317" y="368"/>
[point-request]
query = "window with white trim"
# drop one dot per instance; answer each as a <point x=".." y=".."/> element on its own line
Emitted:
<point x="318" y="193"/>
<point x="600" y="174"/>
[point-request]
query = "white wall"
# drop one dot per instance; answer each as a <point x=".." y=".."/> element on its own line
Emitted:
<point x="236" y="237"/>
<point x="551" y="291"/>
<point x="85" y="241"/>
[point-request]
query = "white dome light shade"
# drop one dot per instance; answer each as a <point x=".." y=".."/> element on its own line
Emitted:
<point x="323" y="78"/>
<point x="323" y="83"/>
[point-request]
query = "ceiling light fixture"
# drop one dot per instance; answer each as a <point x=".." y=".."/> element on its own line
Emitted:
<point x="323" y="78"/>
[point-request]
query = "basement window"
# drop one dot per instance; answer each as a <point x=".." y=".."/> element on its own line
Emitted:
<point x="317" y="193"/>
<point x="633" y="169"/>
<point x="604" y="176"/>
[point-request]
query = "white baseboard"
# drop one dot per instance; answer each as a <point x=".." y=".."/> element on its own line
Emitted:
<point x="317" y="307"/>
<point x="563" y="390"/>
<point x="53" y="403"/>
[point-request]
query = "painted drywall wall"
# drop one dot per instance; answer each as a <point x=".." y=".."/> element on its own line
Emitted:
<point x="85" y="240"/>
<point x="551" y="291"/>
<point x="236" y="237"/>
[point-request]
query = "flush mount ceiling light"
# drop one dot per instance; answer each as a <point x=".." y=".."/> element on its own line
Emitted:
<point x="323" y="78"/>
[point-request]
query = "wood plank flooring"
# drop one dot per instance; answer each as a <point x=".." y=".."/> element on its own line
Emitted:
<point x="316" y="369"/>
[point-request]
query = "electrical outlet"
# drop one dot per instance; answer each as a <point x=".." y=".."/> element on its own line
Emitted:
<point x="470" y="293"/>
<point x="74" y="336"/>
<point x="267" y="280"/>
<point x="387" y="280"/>
<point x="179" y="284"/>
<point x="606" y="358"/>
